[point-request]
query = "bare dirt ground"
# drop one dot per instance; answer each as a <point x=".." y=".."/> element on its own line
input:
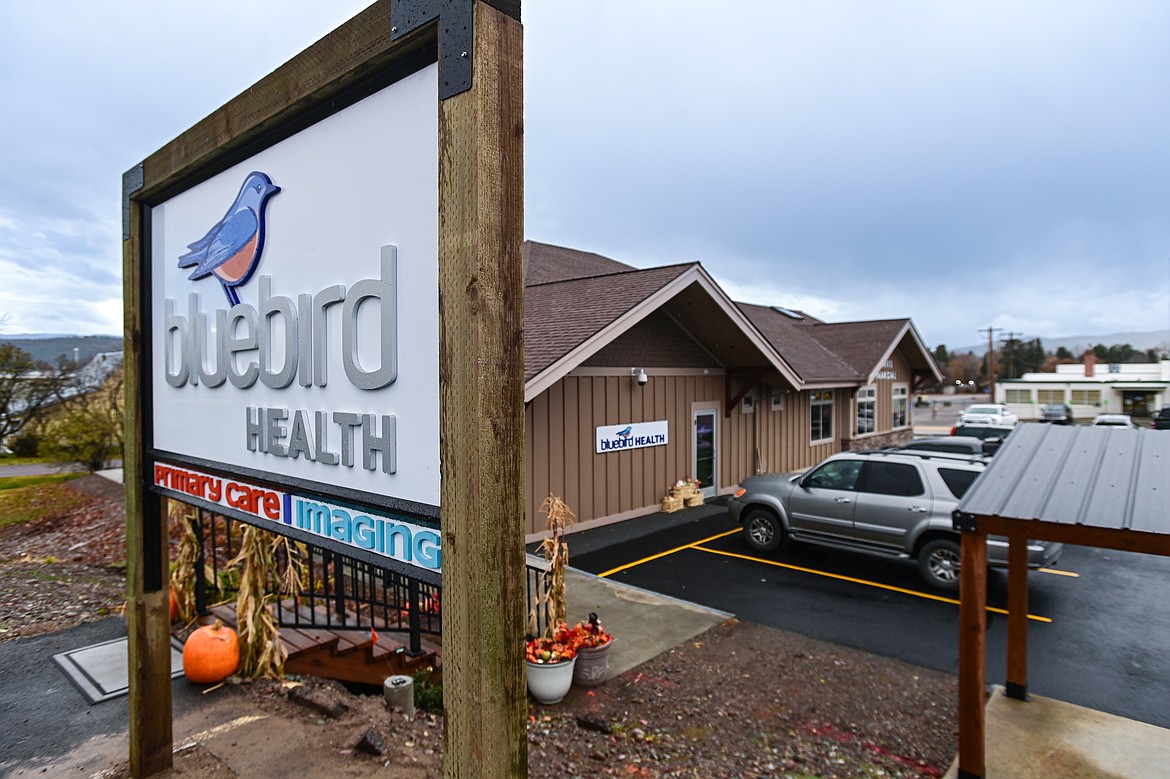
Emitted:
<point x="740" y="700"/>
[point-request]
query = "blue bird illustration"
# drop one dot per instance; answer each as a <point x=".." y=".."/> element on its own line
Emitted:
<point x="626" y="432"/>
<point x="232" y="247"/>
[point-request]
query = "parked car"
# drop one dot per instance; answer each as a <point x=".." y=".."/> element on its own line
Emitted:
<point x="992" y="436"/>
<point x="953" y="444"/>
<point x="988" y="414"/>
<point x="890" y="503"/>
<point x="1162" y="419"/>
<point x="1057" y="414"/>
<point x="1113" y="420"/>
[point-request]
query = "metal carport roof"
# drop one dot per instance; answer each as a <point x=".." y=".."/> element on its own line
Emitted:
<point x="1105" y="487"/>
<point x="1100" y="477"/>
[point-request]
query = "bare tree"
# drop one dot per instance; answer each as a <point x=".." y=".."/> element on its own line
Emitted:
<point x="27" y="389"/>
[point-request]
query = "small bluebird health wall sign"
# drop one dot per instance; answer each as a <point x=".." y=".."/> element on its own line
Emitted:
<point x="637" y="435"/>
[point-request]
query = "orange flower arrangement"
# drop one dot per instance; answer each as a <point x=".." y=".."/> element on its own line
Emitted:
<point x="591" y="634"/>
<point x="562" y="646"/>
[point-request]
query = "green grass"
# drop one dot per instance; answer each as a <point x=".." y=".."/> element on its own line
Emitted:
<point x="20" y="482"/>
<point x="28" y="498"/>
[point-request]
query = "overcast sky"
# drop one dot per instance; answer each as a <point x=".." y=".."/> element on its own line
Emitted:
<point x="967" y="165"/>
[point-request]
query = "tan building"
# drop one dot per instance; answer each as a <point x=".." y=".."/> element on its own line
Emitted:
<point x="637" y="378"/>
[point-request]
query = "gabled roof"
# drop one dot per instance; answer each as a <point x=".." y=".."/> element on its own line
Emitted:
<point x="561" y="315"/>
<point x="809" y="357"/>
<point x="544" y="262"/>
<point x="578" y="302"/>
<point x="866" y="346"/>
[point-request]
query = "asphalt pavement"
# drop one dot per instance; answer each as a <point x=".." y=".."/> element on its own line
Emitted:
<point x="1097" y="636"/>
<point x="47" y="727"/>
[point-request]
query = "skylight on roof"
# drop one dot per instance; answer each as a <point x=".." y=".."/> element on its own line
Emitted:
<point x="787" y="312"/>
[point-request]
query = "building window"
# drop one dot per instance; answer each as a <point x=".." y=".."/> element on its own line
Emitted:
<point x="1047" y="396"/>
<point x="777" y="401"/>
<point x="821" y="417"/>
<point x="901" y="406"/>
<point x="1018" y="395"/>
<point x="866" y="410"/>
<point x="1086" y="397"/>
<point x="748" y="404"/>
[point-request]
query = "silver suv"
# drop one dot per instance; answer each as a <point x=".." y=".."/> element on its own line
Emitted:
<point x="889" y="503"/>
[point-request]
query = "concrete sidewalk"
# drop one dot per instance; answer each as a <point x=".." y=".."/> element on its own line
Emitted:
<point x="1044" y="738"/>
<point x="644" y="624"/>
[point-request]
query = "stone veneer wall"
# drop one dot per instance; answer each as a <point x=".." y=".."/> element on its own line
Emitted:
<point x="895" y="438"/>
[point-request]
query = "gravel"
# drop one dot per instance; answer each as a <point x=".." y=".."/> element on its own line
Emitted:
<point x="740" y="700"/>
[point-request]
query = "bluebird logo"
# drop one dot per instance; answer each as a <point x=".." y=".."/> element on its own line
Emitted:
<point x="231" y="249"/>
<point x="625" y="433"/>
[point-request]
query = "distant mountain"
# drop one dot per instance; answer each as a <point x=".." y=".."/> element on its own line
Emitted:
<point x="1077" y="344"/>
<point x="50" y="348"/>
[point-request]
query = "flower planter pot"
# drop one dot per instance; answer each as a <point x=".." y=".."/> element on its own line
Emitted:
<point x="592" y="665"/>
<point x="550" y="682"/>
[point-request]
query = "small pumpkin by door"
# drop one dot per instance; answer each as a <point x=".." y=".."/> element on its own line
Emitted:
<point x="211" y="654"/>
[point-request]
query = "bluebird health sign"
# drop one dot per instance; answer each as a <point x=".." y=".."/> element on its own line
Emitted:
<point x="294" y="338"/>
<point x="637" y="435"/>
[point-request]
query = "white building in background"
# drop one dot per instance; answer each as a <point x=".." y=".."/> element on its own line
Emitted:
<point x="1090" y="388"/>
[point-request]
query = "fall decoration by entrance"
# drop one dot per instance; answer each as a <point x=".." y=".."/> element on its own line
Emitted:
<point x="262" y="653"/>
<point x="182" y="519"/>
<point x="211" y="654"/>
<point x="593" y="645"/>
<point x="552" y="655"/>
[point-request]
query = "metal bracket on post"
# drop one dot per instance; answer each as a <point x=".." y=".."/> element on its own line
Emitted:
<point x="455" y="34"/>
<point x="1016" y="691"/>
<point x="964" y="521"/>
<point x="132" y="181"/>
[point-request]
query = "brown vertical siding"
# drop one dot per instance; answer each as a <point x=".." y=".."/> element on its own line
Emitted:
<point x="560" y="439"/>
<point x="560" y="443"/>
<point x="784" y="435"/>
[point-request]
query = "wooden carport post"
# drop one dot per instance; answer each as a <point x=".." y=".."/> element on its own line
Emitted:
<point x="1017" y="634"/>
<point x="972" y="652"/>
<point x="481" y="391"/>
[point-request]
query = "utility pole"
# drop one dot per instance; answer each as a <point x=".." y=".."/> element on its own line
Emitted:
<point x="991" y="331"/>
<point x="1010" y="341"/>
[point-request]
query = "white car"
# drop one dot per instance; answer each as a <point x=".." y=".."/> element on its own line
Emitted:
<point x="987" y="414"/>
<point x="1113" y="420"/>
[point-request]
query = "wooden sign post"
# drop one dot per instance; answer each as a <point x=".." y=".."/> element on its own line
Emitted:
<point x="458" y="486"/>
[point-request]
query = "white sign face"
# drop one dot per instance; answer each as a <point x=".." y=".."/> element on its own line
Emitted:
<point x="295" y="310"/>
<point x="638" y="435"/>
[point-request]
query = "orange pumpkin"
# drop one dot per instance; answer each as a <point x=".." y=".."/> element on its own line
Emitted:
<point x="211" y="654"/>
<point x="174" y="607"/>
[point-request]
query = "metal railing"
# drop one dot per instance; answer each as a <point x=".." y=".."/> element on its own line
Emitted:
<point x="336" y="591"/>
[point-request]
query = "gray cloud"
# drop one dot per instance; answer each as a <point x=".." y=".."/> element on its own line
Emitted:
<point x="998" y="163"/>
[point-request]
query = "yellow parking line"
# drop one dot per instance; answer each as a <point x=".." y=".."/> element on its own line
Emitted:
<point x="1055" y="572"/>
<point x="800" y="569"/>
<point x="627" y="566"/>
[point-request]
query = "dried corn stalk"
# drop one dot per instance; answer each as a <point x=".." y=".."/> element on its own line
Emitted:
<point x="261" y="651"/>
<point x="182" y="516"/>
<point x="556" y="552"/>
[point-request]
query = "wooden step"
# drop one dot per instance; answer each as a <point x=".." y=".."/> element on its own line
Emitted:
<point x="345" y="654"/>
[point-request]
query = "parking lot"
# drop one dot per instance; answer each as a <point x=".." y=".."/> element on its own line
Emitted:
<point x="1099" y="633"/>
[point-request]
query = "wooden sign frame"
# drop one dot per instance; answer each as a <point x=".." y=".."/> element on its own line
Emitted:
<point x="478" y="45"/>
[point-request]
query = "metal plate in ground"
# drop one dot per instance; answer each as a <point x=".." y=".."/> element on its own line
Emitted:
<point x="101" y="671"/>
